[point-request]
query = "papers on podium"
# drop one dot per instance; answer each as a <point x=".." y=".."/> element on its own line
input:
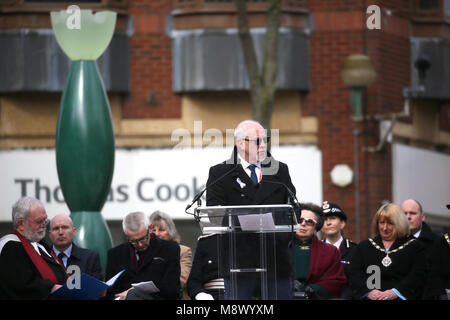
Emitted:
<point x="257" y="222"/>
<point x="89" y="289"/>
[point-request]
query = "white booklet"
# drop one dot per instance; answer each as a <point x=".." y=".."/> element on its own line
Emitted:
<point x="146" y="286"/>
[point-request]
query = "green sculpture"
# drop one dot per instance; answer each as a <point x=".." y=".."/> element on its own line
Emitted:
<point x="85" y="134"/>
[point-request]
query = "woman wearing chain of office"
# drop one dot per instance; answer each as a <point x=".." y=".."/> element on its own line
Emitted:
<point x="391" y="265"/>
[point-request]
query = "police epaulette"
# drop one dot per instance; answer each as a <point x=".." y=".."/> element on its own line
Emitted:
<point x="206" y="235"/>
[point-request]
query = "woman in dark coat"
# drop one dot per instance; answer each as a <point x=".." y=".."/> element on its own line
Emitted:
<point x="391" y="265"/>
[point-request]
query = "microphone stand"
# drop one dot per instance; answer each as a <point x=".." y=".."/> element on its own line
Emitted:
<point x="198" y="196"/>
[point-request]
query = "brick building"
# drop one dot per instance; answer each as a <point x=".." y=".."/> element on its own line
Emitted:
<point x="172" y="63"/>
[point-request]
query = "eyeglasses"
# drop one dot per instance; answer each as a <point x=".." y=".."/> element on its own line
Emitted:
<point x="308" y="222"/>
<point x="258" y="141"/>
<point x="137" y="241"/>
<point x="42" y="222"/>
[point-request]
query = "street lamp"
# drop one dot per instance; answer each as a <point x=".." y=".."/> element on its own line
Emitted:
<point x="357" y="72"/>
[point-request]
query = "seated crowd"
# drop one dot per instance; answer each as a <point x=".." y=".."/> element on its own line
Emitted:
<point x="403" y="259"/>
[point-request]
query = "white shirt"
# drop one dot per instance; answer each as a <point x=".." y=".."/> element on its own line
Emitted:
<point x="417" y="234"/>
<point x="245" y="165"/>
<point x="337" y="244"/>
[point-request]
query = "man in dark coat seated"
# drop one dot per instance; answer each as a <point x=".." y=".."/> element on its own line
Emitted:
<point x="145" y="257"/>
<point x="318" y="270"/>
<point x="28" y="268"/>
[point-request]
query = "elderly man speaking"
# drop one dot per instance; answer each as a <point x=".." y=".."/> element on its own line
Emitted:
<point x="253" y="177"/>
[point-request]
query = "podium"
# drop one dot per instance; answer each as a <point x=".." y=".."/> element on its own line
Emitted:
<point x="253" y="248"/>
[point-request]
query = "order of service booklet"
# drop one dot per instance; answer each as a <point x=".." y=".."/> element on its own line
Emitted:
<point x="89" y="288"/>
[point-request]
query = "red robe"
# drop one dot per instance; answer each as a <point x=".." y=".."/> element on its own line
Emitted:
<point x="325" y="267"/>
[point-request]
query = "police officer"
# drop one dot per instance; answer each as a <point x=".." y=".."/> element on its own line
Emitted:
<point x="204" y="282"/>
<point x="334" y="223"/>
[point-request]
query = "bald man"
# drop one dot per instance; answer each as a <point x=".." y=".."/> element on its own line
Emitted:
<point x="61" y="234"/>
<point x="420" y="230"/>
<point x="416" y="219"/>
<point x="253" y="177"/>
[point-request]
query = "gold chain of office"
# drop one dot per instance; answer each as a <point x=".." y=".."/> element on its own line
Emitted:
<point x="386" y="261"/>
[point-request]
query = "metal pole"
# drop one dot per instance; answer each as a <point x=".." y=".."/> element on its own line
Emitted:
<point x="356" y="133"/>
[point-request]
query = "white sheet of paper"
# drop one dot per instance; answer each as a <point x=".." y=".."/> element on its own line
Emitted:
<point x="257" y="222"/>
<point x="111" y="281"/>
<point x="147" y="286"/>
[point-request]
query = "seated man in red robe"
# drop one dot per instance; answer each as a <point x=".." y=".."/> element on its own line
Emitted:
<point x="318" y="269"/>
<point x="28" y="268"/>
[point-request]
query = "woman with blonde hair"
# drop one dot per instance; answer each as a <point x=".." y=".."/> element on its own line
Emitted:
<point x="163" y="226"/>
<point x="391" y="265"/>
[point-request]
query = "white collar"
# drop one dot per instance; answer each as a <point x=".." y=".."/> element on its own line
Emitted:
<point x="245" y="164"/>
<point x="337" y="244"/>
<point x="417" y="234"/>
<point x="38" y="246"/>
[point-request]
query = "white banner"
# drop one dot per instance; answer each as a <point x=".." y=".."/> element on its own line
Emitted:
<point x="144" y="179"/>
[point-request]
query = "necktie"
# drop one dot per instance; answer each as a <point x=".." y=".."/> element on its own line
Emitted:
<point x="253" y="173"/>
<point x="61" y="255"/>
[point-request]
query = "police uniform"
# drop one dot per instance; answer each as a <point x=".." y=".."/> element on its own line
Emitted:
<point x="204" y="275"/>
<point x="346" y="248"/>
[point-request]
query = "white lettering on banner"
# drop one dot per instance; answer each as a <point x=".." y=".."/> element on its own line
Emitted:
<point x="144" y="179"/>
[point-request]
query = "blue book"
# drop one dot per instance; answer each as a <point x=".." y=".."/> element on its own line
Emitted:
<point x="89" y="288"/>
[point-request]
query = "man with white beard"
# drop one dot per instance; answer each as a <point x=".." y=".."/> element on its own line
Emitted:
<point x="28" y="269"/>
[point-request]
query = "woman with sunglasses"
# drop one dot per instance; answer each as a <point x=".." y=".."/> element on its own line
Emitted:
<point x="318" y="270"/>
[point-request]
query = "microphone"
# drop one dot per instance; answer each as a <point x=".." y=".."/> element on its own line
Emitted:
<point x="291" y="194"/>
<point x="199" y="194"/>
<point x="296" y="203"/>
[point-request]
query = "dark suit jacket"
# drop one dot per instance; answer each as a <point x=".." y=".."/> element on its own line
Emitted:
<point x="87" y="260"/>
<point x="19" y="277"/>
<point x="205" y="266"/>
<point x="347" y="250"/>
<point x="227" y="191"/>
<point x="439" y="275"/>
<point x="161" y="265"/>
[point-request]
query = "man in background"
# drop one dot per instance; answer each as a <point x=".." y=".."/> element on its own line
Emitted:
<point x="61" y="234"/>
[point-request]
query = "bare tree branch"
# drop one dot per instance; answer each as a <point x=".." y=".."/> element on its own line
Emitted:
<point x="262" y="84"/>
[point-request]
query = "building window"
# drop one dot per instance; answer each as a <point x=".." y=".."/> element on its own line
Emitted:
<point x="428" y="5"/>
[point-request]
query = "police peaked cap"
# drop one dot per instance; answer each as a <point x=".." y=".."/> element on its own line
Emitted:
<point x="332" y="209"/>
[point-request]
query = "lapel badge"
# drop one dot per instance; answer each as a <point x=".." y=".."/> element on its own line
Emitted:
<point x="241" y="184"/>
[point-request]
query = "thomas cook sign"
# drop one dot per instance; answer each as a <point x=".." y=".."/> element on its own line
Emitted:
<point x="144" y="179"/>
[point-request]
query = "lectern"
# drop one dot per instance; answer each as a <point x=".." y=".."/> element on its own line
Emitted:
<point x="254" y="247"/>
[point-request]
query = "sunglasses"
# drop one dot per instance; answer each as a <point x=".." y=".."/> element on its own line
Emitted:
<point x="137" y="241"/>
<point x="308" y="222"/>
<point x="258" y="141"/>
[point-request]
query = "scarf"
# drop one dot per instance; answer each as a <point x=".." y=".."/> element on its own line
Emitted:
<point x="39" y="262"/>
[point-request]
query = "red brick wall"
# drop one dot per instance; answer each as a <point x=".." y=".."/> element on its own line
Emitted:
<point x="339" y="31"/>
<point x="150" y="62"/>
